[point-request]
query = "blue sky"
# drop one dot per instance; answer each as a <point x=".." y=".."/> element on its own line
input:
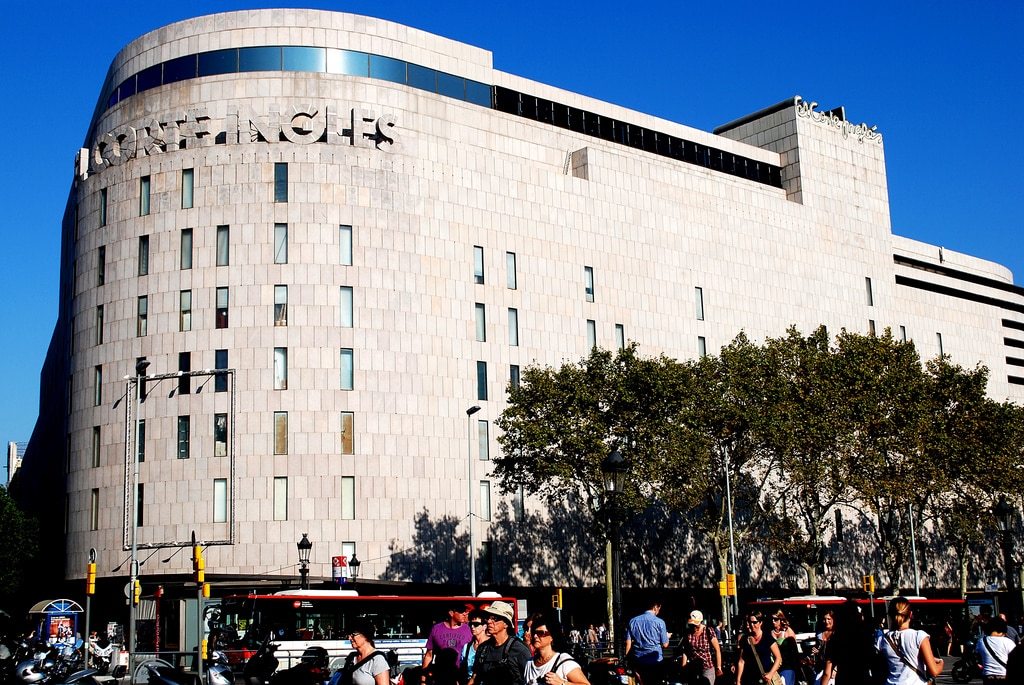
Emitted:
<point x="943" y="81"/>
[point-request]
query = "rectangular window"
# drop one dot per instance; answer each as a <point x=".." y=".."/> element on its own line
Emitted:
<point x="938" y="336"/>
<point x="103" y="207"/>
<point x="184" y="365"/>
<point x="347" y="313"/>
<point x="513" y="327"/>
<point x="481" y="322"/>
<point x="485" y="500"/>
<point x="220" y="361"/>
<point x="220" y="500"/>
<point x="281" y="182"/>
<point x="518" y="504"/>
<point x="140" y="500"/>
<point x="95" y="446"/>
<point x="347" y="369"/>
<point x="97" y="398"/>
<point x="187" y="187"/>
<point x="513" y="376"/>
<point x="220" y="435"/>
<point x="702" y="346"/>
<point x="348" y="498"/>
<point x="140" y="442"/>
<point x="223" y="245"/>
<point x="185" y="309"/>
<point x="101" y="265"/>
<point x="483" y="439"/>
<point x="345" y="241"/>
<point x="280" y="243"/>
<point x="221" y="318"/>
<point x="144" y="196"/>
<point x="871" y="327"/>
<point x="184" y="436"/>
<point x="481" y="380"/>
<point x="870" y="294"/>
<point x="348" y="432"/>
<point x="143" y="255"/>
<point x="280" y="432"/>
<point x="186" y="249"/>
<point x="280" y="368"/>
<point x="591" y="334"/>
<point x="510" y="269"/>
<point x="903" y="333"/>
<point x="478" y="264"/>
<point x="280" y="498"/>
<point x="280" y="305"/>
<point x="99" y="324"/>
<point x="588" y="282"/>
<point x="94" y="509"/>
<point x="141" y="316"/>
<point x="620" y="336"/>
<point x="698" y="296"/>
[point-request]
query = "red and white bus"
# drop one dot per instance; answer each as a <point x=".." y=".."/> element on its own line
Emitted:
<point x="298" y="619"/>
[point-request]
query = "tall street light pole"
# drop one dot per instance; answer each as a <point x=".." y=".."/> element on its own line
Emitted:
<point x="472" y="538"/>
<point x="613" y="470"/>
<point x="140" y="374"/>
<point x="1006" y="521"/>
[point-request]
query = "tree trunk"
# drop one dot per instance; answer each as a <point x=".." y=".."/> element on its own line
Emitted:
<point x="812" y="579"/>
<point x="963" y="574"/>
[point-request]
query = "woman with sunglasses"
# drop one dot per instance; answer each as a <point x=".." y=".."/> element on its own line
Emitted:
<point x="371" y="667"/>
<point x="758" y="652"/>
<point x="786" y="639"/>
<point x="548" y="666"/>
<point x="478" y="625"/>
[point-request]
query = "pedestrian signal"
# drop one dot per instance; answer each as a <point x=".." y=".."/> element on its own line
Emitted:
<point x="198" y="564"/>
<point x="869" y="584"/>
<point x="137" y="592"/>
<point x="730" y="584"/>
<point x="90" y="579"/>
<point x="556" y="599"/>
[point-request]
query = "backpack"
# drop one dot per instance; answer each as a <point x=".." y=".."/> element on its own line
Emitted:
<point x="504" y="673"/>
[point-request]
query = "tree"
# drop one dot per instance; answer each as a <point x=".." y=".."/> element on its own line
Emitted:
<point x="20" y="535"/>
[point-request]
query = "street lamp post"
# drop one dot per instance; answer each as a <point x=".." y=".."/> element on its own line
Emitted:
<point x="353" y="568"/>
<point x="469" y="520"/>
<point x="613" y="469"/>
<point x="140" y="374"/>
<point x="304" y="546"/>
<point x="1006" y="522"/>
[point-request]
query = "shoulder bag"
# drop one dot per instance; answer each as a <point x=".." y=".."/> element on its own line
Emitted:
<point x="898" y="648"/>
<point x="776" y="678"/>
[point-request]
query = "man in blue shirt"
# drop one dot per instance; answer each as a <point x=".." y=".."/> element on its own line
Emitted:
<point x="646" y="638"/>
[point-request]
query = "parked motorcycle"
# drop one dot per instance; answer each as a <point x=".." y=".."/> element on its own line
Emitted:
<point x="313" y="668"/>
<point x="608" y="671"/>
<point x="967" y="667"/>
<point x="218" y="670"/>
<point x="261" y="666"/>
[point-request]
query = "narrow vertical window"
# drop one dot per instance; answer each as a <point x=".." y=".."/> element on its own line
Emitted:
<point x="186" y="249"/>
<point x="144" y="196"/>
<point x="348" y="433"/>
<point x="513" y="327"/>
<point x="187" y="186"/>
<point x="280" y="305"/>
<point x="280" y="432"/>
<point x="938" y="337"/>
<point x="220" y="500"/>
<point x="140" y="441"/>
<point x="143" y="255"/>
<point x="588" y="282"/>
<point x="97" y="397"/>
<point x="220" y="361"/>
<point x="871" y="327"/>
<point x="103" y="207"/>
<point x="347" y="369"/>
<point x="513" y="376"/>
<point x="510" y="269"/>
<point x="185" y="310"/>
<point x="483" y="439"/>
<point x="142" y="316"/>
<point x="221" y="317"/>
<point x="99" y="324"/>
<point x="591" y="334"/>
<point x="481" y="380"/>
<point x="347" y="314"/>
<point x="280" y="243"/>
<point x="280" y="498"/>
<point x="620" y="337"/>
<point x="868" y="291"/>
<point x="518" y="503"/>
<point x="478" y="264"/>
<point x="485" y="500"/>
<point x="223" y="245"/>
<point x="698" y="296"/>
<point x="140" y="501"/>
<point x="702" y="346"/>
<point x="903" y="333"/>
<point x="481" y="322"/>
<point x="348" y="498"/>
<point x="280" y="368"/>
<point x="185" y="366"/>
<point x="345" y="241"/>
<point x="184" y="436"/>
<point x="94" y="509"/>
<point x="281" y="182"/>
<point x="220" y="435"/>
<point x="95" y="446"/>
<point x="101" y="265"/>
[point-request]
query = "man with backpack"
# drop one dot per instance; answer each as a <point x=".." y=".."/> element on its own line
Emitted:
<point x="502" y="659"/>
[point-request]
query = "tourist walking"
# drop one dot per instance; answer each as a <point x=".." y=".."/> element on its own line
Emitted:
<point x="994" y="651"/>
<point x="502" y="659"/>
<point x="550" y="666"/>
<point x="452" y="633"/>
<point x="908" y="651"/>
<point x="786" y="639"/>
<point x="646" y="639"/>
<point x="760" y="658"/>
<point x="700" y="644"/>
<point x="478" y="626"/>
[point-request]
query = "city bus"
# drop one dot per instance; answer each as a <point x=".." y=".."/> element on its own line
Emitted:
<point x="298" y="619"/>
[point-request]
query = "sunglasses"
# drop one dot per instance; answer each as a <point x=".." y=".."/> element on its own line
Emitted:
<point x="477" y="624"/>
<point x="540" y="633"/>
<point x="776" y="619"/>
<point x="753" y="621"/>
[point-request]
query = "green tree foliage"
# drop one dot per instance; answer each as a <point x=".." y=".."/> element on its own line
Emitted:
<point x="20" y="535"/>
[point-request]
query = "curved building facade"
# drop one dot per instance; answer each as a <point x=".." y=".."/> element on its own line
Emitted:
<point x="344" y="233"/>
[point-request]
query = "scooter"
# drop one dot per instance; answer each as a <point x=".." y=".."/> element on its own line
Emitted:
<point x="261" y="666"/>
<point x="313" y="669"/>
<point x="968" y="667"/>
<point x="218" y="670"/>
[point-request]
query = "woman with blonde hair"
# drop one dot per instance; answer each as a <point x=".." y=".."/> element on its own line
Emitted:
<point x="908" y="651"/>
<point x="786" y="639"/>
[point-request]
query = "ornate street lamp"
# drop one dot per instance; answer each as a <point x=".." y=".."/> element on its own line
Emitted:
<point x="613" y="470"/>
<point x="304" y="546"/>
<point x="353" y="568"/>
<point x="1006" y="521"/>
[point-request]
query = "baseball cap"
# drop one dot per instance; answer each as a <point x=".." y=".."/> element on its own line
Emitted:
<point x="502" y="610"/>
<point x="696" y="617"/>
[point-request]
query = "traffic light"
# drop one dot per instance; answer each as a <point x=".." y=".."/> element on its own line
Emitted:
<point x="556" y="599"/>
<point x="137" y="592"/>
<point x="90" y="579"/>
<point x="730" y="584"/>
<point x="206" y="590"/>
<point x="723" y="588"/>
<point x="198" y="565"/>
<point x="869" y="584"/>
